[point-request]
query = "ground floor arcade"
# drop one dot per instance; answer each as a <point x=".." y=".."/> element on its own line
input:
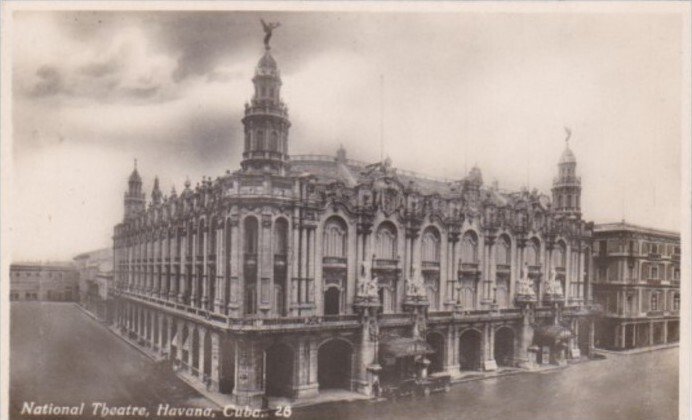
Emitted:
<point x="301" y="361"/>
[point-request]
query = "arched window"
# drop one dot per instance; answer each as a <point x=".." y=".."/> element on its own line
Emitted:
<point x="469" y="248"/>
<point x="431" y="245"/>
<point x="281" y="237"/>
<point x="559" y="255"/>
<point x="274" y="142"/>
<point x="247" y="140"/>
<point x="386" y="241"/>
<point x="334" y="238"/>
<point x="260" y="139"/>
<point x="503" y="252"/>
<point x="250" y="235"/>
<point x="532" y="255"/>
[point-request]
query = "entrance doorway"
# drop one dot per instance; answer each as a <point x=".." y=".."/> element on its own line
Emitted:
<point x="279" y="371"/>
<point x="470" y="350"/>
<point x="334" y="365"/>
<point x="504" y="346"/>
<point x="437" y="342"/>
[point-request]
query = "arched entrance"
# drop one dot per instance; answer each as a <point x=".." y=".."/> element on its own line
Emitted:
<point x="334" y="365"/>
<point x="437" y="342"/>
<point x="470" y="350"/>
<point x="331" y="301"/>
<point x="279" y="371"/>
<point x="504" y="346"/>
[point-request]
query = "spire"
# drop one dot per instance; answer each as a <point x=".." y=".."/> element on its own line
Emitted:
<point x="156" y="192"/>
<point x="134" y="201"/>
<point x="567" y="185"/>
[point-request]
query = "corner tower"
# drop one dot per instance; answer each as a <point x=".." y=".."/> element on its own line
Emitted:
<point x="266" y="118"/>
<point x="567" y="186"/>
<point x="134" y="197"/>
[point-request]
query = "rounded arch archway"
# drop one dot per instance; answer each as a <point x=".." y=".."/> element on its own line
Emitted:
<point x="386" y="241"/>
<point x="334" y="364"/>
<point x="334" y="263"/>
<point x="470" y="350"/>
<point x="279" y="370"/>
<point x="437" y="342"/>
<point x="504" y="346"/>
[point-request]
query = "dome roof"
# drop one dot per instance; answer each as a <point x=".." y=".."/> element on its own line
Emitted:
<point x="267" y="62"/>
<point x="475" y="175"/>
<point x="567" y="156"/>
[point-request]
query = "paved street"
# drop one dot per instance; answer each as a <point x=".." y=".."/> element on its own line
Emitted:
<point x="633" y="387"/>
<point x="61" y="356"/>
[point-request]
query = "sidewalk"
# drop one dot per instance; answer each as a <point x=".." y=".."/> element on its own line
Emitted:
<point x="638" y="349"/>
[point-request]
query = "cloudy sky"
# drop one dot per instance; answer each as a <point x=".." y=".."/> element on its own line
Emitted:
<point x="92" y="91"/>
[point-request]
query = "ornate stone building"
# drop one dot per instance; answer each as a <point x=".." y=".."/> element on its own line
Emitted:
<point x="637" y="282"/>
<point x="296" y="275"/>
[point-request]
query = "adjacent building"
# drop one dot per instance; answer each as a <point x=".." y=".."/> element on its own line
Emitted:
<point x="637" y="282"/>
<point x="95" y="271"/>
<point x="295" y="275"/>
<point x="43" y="282"/>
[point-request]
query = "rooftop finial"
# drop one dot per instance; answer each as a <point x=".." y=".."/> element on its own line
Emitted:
<point x="268" y="29"/>
<point x="569" y="134"/>
<point x="135" y="163"/>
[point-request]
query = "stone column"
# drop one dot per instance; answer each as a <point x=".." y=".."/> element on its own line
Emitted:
<point x="236" y="286"/>
<point x="200" y="352"/>
<point x="452" y="357"/>
<point x="665" y="332"/>
<point x="182" y="267"/>
<point x="220" y="297"/>
<point x="205" y="264"/>
<point x="249" y="374"/>
<point x="193" y="266"/>
<point x="488" y="344"/>
<point x="294" y="274"/>
<point x="525" y="357"/>
<point x="215" y="371"/>
<point x="265" y="259"/>
<point x="651" y="333"/>
<point x="305" y="361"/>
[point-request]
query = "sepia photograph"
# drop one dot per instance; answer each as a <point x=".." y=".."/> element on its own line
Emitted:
<point x="364" y="210"/>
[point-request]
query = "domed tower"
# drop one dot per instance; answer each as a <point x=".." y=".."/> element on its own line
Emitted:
<point x="156" y="193"/>
<point x="567" y="185"/>
<point x="266" y="120"/>
<point x="134" y="197"/>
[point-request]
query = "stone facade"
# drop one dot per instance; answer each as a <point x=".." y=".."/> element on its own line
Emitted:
<point x="95" y="270"/>
<point x="45" y="282"/>
<point x="295" y="275"/>
<point x="637" y="282"/>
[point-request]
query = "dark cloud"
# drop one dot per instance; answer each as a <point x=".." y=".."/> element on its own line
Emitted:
<point x="50" y="81"/>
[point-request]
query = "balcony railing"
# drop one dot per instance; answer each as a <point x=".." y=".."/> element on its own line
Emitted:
<point x="431" y="265"/>
<point x="468" y="267"/>
<point x="503" y="268"/>
<point x="386" y="263"/>
<point x="337" y="262"/>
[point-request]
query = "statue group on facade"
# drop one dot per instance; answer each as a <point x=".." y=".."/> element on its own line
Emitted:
<point x="367" y="284"/>
<point x="525" y="288"/>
